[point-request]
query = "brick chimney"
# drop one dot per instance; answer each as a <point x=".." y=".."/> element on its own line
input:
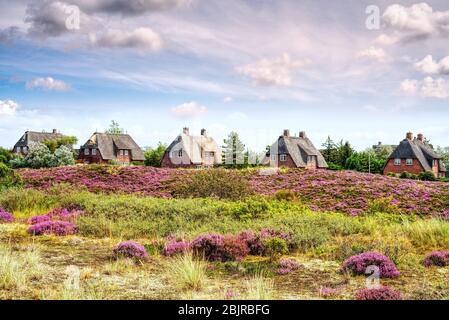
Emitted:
<point x="302" y="134"/>
<point x="286" y="133"/>
<point x="185" y="130"/>
<point x="409" y="136"/>
<point x="203" y="132"/>
<point x="55" y="130"/>
<point x="421" y="137"/>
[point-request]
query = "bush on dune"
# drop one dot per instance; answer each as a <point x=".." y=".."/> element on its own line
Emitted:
<point x="359" y="264"/>
<point x="58" y="228"/>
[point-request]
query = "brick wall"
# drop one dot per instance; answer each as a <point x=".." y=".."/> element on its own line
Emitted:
<point x="415" y="168"/>
<point x="82" y="158"/>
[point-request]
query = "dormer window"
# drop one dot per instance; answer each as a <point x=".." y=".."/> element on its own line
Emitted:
<point x="283" y="157"/>
<point x="86" y="151"/>
<point x="180" y="153"/>
<point x="94" y="152"/>
<point x="397" y="162"/>
<point x="409" y="162"/>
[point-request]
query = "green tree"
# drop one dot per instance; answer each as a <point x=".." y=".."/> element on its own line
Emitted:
<point x="383" y="152"/>
<point x="233" y="151"/>
<point x="344" y="152"/>
<point x="54" y="144"/>
<point x="153" y="156"/>
<point x="365" y="161"/>
<point x="5" y="156"/>
<point x="114" y="128"/>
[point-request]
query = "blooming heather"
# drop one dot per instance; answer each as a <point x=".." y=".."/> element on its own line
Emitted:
<point x="358" y="264"/>
<point x="174" y="247"/>
<point x="287" y="266"/>
<point x="383" y="293"/>
<point x="59" y="228"/>
<point x="130" y="249"/>
<point x="437" y="258"/>
<point x="5" y="216"/>
<point x="39" y="219"/>
<point x="209" y="246"/>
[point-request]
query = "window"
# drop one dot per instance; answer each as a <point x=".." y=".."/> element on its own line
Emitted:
<point x="283" y="157"/>
<point x="435" y="163"/>
<point x="409" y="162"/>
<point x="94" y="152"/>
<point x="86" y="151"/>
<point x="120" y="152"/>
<point x="126" y="152"/>
<point x="25" y="149"/>
<point x="397" y="162"/>
<point x="18" y="149"/>
<point x="180" y="153"/>
<point x="273" y="157"/>
<point x="209" y="155"/>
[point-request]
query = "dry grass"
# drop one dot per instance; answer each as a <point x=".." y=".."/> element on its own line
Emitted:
<point x="259" y="288"/>
<point x="188" y="272"/>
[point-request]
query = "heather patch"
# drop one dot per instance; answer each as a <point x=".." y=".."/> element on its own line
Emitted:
<point x="287" y="266"/>
<point x="130" y="249"/>
<point x="384" y="293"/>
<point x="58" y="228"/>
<point x="437" y="258"/>
<point x="359" y="264"/>
<point x="5" y="217"/>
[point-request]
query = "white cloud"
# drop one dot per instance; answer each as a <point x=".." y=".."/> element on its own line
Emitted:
<point x="8" y="107"/>
<point x="50" y="19"/>
<point x="141" y="39"/>
<point x="48" y="83"/>
<point x="418" y="21"/>
<point x="386" y="40"/>
<point x="228" y="99"/>
<point x="189" y="110"/>
<point x="372" y="53"/>
<point x="427" y="88"/>
<point x="274" y="72"/>
<point x="430" y="66"/>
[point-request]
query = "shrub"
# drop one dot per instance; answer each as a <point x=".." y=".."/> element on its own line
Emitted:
<point x="427" y="176"/>
<point x="130" y="249"/>
<point x="384" y="205"/>
<point x="253" y="242"/>
<point x="213" y="183"/>
<point x="287" y="265"/>
<point x="384" y="293"/>
<point x="251" y="208"/>
<point x="437" y="258"/>
<point x="39" y="219"/>
<point x="174" y="247"/>
<point x="275" y="247"/>
<point x="59" y="228"/>
<point x="285" y="195"/>
<point x="208" y="246"/>
<point x="359" y="263"/>
<point x="8" y="178"/>
<point x="404" y="175"/>
<point x="5" y="216"/>
<point x="234" y="249"/>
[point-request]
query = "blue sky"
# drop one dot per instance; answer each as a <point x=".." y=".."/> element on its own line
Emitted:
<point x="252" y="66"/>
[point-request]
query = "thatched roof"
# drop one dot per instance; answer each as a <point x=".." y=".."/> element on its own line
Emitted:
<point x="299" y="148"/>
<point x="36" y="137"/>
<point x="108" y="144"/>
<point x="417" y="149"/>
<point x="195" y="146"/>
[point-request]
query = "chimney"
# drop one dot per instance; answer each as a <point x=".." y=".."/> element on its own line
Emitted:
<point x="302" y="134"/>
<point x="409" y="136"/>
<point x="55" y="130"/>
<point x="185" y="130"/>
<point x="286" y="133"/>
<point x="203" y="132"/>
<point x="421" y="137"/>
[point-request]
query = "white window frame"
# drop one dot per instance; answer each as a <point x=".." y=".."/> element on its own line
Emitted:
<point x="86" y="151"/>
<point x="409" y="162"/>
<point x="94" y="151"/>
<point x="397" y="162"/>
<point x="180" y="153"/>
<point x="18" y="149"/>
<point x="283" y="157"/>
<point x="273" y="157"/>
<point x="126" y="152"/>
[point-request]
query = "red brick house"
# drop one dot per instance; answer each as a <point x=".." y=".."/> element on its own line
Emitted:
<point x="294" y="152"/>
<point x="105" y="147"/>
<point x="188" y="151"/>
<point x="29" y="137"/>
<point x="413" y="155"/>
